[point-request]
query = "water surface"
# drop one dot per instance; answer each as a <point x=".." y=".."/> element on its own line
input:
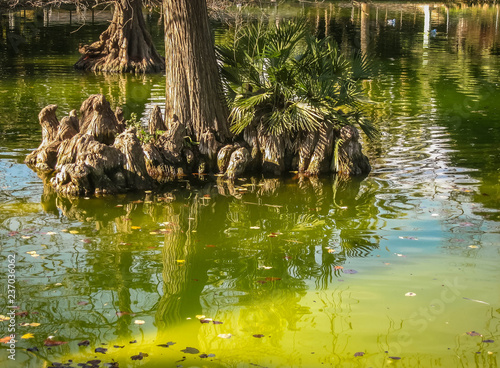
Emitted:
<point x="301" y="272"/>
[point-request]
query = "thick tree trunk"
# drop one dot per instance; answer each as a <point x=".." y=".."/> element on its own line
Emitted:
<point x="126" y="46"/>
<point x="194" y="92"/>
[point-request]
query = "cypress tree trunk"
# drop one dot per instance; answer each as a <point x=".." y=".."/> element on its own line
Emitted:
<point x="126" y="46"/>
<point x="194" y="91"/>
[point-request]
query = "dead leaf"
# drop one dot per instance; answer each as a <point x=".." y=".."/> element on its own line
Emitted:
<point x="101" y="350"/>
<point x="50" y="342"/>
<point x="84" y="343"/>
<point x="258" y="336"/>
<point x="139" y="322"/>
<point x="190" y="350"/>
<point x="135" y="227"/>
<point x="5" y="340"/>
<point x="73" y="231"/>
<point x="473" y="333"/>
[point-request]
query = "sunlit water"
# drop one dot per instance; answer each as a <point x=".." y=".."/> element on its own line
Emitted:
<point x="299" y="272"/>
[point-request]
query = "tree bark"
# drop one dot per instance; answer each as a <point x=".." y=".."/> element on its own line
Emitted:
<point x="126" y="46"/>
<point x="194" y="92"/>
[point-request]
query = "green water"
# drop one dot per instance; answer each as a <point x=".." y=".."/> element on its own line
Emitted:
<point x="302" y="272"/>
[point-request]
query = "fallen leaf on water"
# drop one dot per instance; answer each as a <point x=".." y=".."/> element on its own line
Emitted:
<point x="473" y="333"/>
<point x="5" y="340"/>
<point x="395" y="357"/>
<point x="135" y="227"/>
<point x="132" y="342"/>
<point x="210" y="246"/>
<point x="339" y="267"/>
<point x="189" y="350"/>
<point x="208" y="320"/>
<point x="200" y="316"/>
<point x="489" y="341"/>
<point x="217" y="322"/>
<point x="181" y="261"/>
<point x="258" y="336"/>
<point x="170" y="343"/>
<point x="359" y="353"/>
<point x="26" y="237"/>
<point x="50" y="233"/>
<point x="410" y="294"/>
<point x="3" y="318"/>
<point x="400" y="255"/>
<point x="34" y="324"/>
<point x="351" y="271"/>
<point x="31" y="252"/>
<point x="21" y="314"/>
<point x="83" y="302"/>
<point x="139" y="322"/>
<point x="331" y="251"/>
<point x="273" y="279"/>
<point x="73" y="231"/>
<point x="466" y="224"/>
<point x="255" y="227"/>
<point x="473" y="246"/>
<point x="101" y="350"/>
<point x="265" y="267"/>
<point x="84" y="343"/>
<point x="225" y="336"/>
<point x="50" y="342"/>
<point x="86" y="241"/>
<point x="139" y="356"/>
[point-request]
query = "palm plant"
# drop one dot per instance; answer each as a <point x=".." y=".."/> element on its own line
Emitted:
<point x="287" y="80"/>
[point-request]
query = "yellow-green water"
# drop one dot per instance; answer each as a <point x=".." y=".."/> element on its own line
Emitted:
<point x="317" y="269"/>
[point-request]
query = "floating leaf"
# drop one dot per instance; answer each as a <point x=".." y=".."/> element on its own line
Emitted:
<point x="28" y="336"/>
<point x="139" y="322"/>
<point x="473" y="246"/>
<point x="170" y="343"/>
<point x="217" y="322"/>
<point x="225" y="336"/>
<point x="3" y="318"/>
<point x="359" y="354"/>
<point x="132" y="342"/>
<point x="395" y="357"/>
<point x="351" y="271"/>
<point x="84" y="343"/>
<point x="255" y="227"/>
<point x="210" y="246"/>
<point x="5" y="340"/>
<point x="73" y="231"/>
<point x="101" y="350"/>
<point x="489" y="341"/>
<point x="271" y="279"/>
<point x="331" y="250"/>
<point x="181" y="261"/>
<point x="258" y="336"/>
<point x="200" y="316"/>
<point x="83" y="302"/>
<point x="50" y="233"/>
<point x="206" y="320"/>
<point x="339" y="267"/>
<point x="410" y="294"/>
<point x="135" y="227"/>
<point x="473" y="333"/>
<point x="189" y="350"/>
<point x="50" y="342"/>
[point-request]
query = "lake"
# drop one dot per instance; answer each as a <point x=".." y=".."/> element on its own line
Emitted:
<point x="396" y="269"/>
